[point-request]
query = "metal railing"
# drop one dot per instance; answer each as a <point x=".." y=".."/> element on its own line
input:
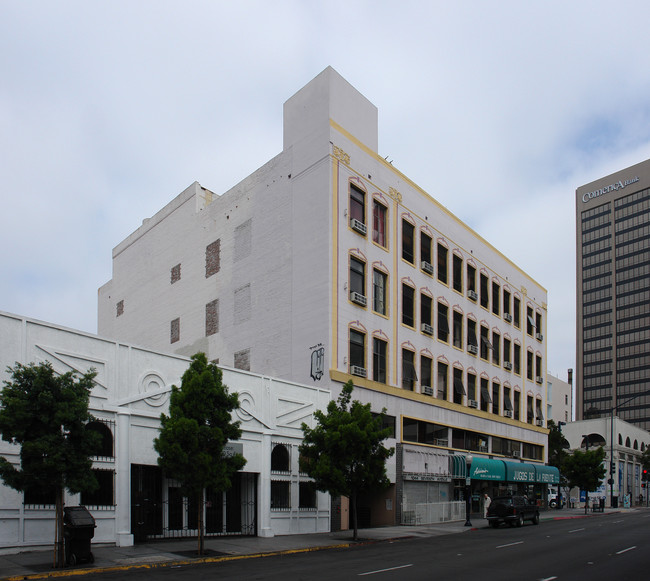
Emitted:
<point x="424" y="513"/>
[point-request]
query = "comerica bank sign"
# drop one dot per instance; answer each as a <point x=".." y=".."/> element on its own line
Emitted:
<point x="619" y="185"/>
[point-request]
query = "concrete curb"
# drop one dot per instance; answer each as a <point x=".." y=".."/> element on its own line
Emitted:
<point x="185" y="562"/>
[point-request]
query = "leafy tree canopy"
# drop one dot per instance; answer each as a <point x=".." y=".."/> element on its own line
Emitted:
<point x="46" y="414"/>
<point x="585" y="469"/>
<point x="193" y="435"/>
<point x="344" y="453"/>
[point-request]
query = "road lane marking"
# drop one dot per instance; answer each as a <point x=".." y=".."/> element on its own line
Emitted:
<point x="626" y="550"/>
<point x="510" y="544"/>
<point x="548" y="579"/>
<point x="384" y="570"/>
<point x="576" y="530"/>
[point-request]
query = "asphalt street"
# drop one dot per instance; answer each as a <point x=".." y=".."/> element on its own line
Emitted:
<point x="611" y="546"/>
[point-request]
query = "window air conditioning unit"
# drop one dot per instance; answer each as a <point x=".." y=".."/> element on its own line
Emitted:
<point x="473" y="349"/>
<point x="507" y="413"/>
<point x="359" y="371"/>
<point x="507" y="365"/>
<point x="516" y="453"/>
<point x="539" y="379"/>
<point x="358" y="298"/>
<point x="359" y="226"/>
<point x="507" y="317"/>
<point x="426" y="390"/>
<point x="472" y="295"/>
<point x="472" y="403"/>
<point x="427" y="267"/>
<point x="540" y="422"/>
<point x="539" y="336"/>
<point x="426" y="328"/>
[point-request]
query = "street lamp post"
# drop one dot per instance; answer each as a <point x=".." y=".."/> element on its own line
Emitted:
<point x="468" y="490"/>
<point x="559" y="484"/>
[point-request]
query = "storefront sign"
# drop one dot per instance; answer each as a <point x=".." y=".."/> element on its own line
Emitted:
<point x="232" y="448"/>
<point x="619" y="185"/>
<point x="426" y="477"/>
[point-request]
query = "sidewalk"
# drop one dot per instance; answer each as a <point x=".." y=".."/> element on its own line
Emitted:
<point x="36" y="562"/>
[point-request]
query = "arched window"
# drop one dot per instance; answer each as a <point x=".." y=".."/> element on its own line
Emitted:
<point x="636" y="444"/>
<point x="620" y="440"/>
<point x="280" y="458"/>
<point x="105" y="446"/>
<point x="627" y="442"/>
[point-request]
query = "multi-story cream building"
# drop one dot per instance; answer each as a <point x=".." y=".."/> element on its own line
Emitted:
<point x="559" y="398"/>
<point x="328" y="264"/>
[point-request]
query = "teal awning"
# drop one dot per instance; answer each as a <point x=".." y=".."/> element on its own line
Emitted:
<point x="520" y="472"/>
<point x="458" y="466"/>
<point x="487" y="469"/>
<point x="547" y="474"/>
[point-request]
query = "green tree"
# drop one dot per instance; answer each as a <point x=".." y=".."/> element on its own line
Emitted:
<point x="192" y="437"/>
<point x="344" y="453"/>
<point x="46" y="414"/>
<point x="585" y="470"/>
<point x="557" y="452"/>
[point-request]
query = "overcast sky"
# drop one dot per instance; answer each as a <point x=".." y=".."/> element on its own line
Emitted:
<point x="500" y="110"/>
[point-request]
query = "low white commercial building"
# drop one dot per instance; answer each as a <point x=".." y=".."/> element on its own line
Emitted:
<point x="135" y="501"/>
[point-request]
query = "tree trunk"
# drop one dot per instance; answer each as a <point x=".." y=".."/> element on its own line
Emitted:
<point x="200" y="522"/>
<point x="59" y="549"/>
<point x="353" y="502"/>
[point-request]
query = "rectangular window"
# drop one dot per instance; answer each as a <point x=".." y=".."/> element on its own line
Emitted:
<point x="175" y="273"/>
<point x="280" y="495"/>
<point x="357" y="278"/>
<point x="506" y="303"/>
<point x="408" y="305"/>
<point x="496" y="398"/>
<point x="425" y="249"/>
<point x="409" y="376"/>
<point x="471" y="281"/>
<point x="443" y="322"/>
<point x="379" y="223"/>
<point x="507" y="347"/>
<point x="408" y="233"/>
<point x="212" y="318"/>
<point x="242" y="360"/>
<point x="442" y="264"/>
<point x="516" y="363"/>
<point x="426" y="312"/>
<point x="457" y="273"/>
<point x="357" y="204"/>
<point x="379" y="291"/>
<point x="175" y="331"/>
<point x="105" y="494"/>
<point x="485" y="290"/>
<point x="516" y="312"/>
<point x="379" y="349"/>
<point x="538" y="323"/>
<point x="471" y="386"/>
<point x="486" y="400"/>
<point x="530" y="322"/>
<point x="485" y="343"/>
<point x="538" y="366"/>
<point x="496" y="299"/>
<point x="507" y="402"/>
<point x="530" y="414"/>
<point x="40" y="495"/>
<point x="471" y="336"/>
<point x="212" y="258"/>
<point x="516" y="413"/>
<point x="496" y="344"/>
<point x="459" y="388"/>
<point x="458" y="329"/>
<point x="443" y="381"/>
<point x="307" y="495"/>
<point x="357" y="349"/>
<point x="426" y="373"/>
<point x="529" y="365"/>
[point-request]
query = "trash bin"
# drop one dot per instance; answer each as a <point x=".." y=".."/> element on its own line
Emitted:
<point x="78" y="530"/>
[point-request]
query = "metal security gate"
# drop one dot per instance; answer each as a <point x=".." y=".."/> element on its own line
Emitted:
<point x="161" y="511"/>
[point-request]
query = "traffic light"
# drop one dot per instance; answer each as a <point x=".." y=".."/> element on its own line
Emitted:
<point x="645" y="475"/>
